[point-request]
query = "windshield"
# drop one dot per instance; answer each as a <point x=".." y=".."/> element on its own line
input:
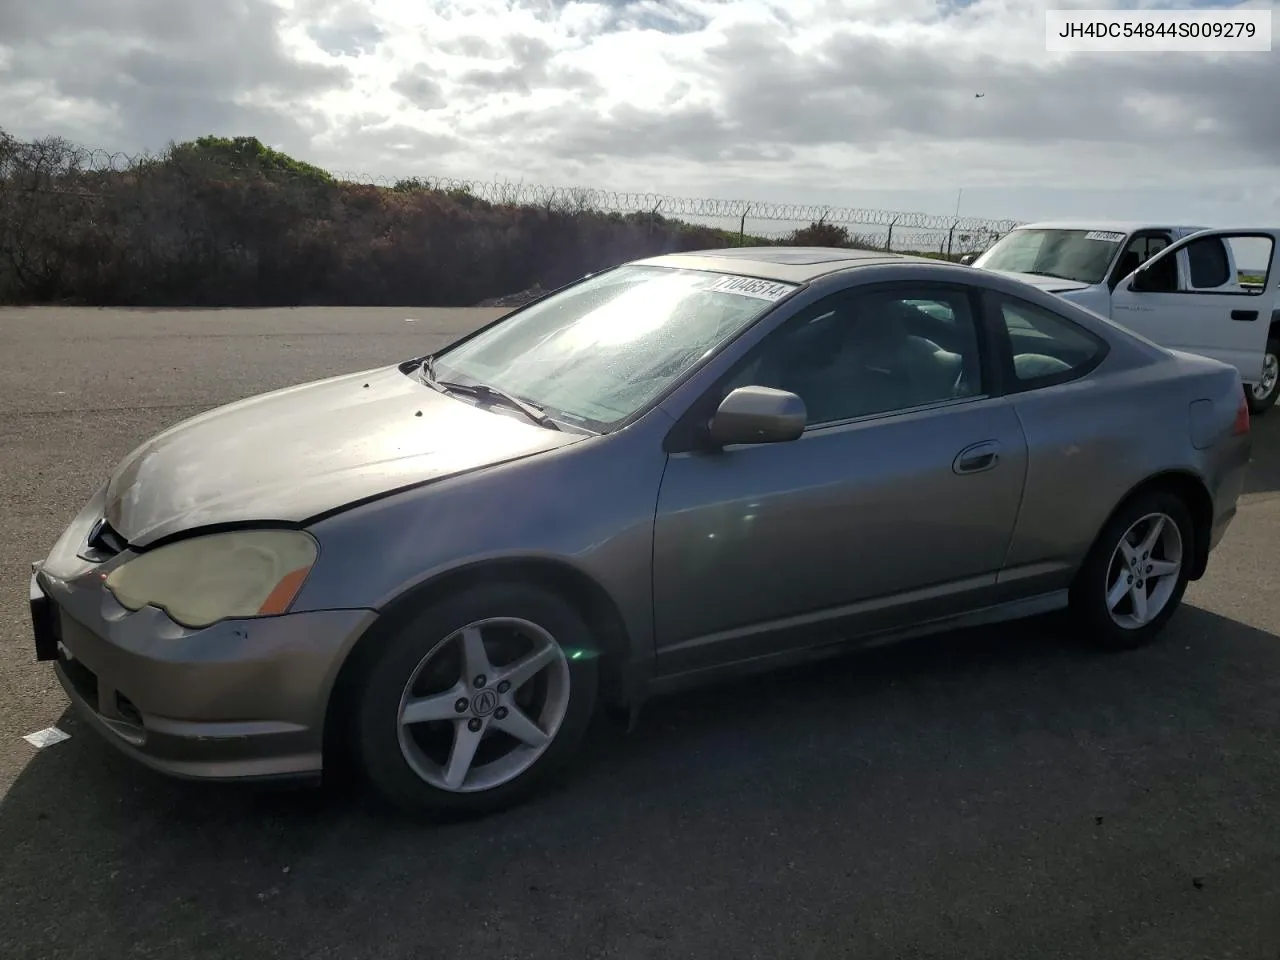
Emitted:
<point x="1080" y="255"/>
<point x="602" y="350"/>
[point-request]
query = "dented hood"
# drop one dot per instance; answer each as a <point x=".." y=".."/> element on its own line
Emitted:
<point x="295" y="453"/>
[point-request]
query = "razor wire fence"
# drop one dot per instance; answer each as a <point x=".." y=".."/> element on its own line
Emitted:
<point x="73" y="170"/>
<point x="232" y="222"/>
<point x="758" y="218"/>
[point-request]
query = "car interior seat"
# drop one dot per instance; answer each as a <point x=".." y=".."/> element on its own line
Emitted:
<point x="1030" y="366"/>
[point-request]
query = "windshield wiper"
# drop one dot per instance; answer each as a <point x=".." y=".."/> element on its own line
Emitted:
<point x="484" y="391"/>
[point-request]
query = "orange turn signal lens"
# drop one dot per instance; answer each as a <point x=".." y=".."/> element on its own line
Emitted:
<point x="283" y="594"/>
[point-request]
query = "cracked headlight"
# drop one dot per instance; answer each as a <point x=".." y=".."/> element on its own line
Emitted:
<point x="243" y="573"/>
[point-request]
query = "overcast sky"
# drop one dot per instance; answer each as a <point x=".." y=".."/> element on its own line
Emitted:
<point x="845" y="102"/>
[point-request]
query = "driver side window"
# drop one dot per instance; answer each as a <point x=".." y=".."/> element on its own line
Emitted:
<point x="1141" y="248"/>
<point x="1160" y="277"/>
<point x="872" y="353"/>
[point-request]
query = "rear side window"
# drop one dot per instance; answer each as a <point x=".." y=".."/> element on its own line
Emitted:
<point x="1045" y="348"/>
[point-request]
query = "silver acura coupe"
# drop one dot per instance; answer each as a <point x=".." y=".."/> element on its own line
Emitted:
<point x="680" y="468"/>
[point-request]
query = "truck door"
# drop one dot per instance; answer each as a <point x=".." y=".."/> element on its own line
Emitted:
<point x="1212" y="293"/>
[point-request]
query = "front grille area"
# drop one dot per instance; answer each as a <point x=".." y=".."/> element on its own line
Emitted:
<point x="82" y="678"/>
<point x="127" y="711"/>
<point x="99" y="694"/>
<point x="103" y="543"/>
<point x="112" y="706"/>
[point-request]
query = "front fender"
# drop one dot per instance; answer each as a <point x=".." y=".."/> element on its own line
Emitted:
<point x="589" y="507"/>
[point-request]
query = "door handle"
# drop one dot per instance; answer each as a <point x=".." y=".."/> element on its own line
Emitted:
<point x="1244" y="315"/>
<point x="978" y="457"/>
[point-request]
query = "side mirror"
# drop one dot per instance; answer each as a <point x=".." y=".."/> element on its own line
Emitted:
<point x="968" y="258"/>
<point x="758" y="415"/>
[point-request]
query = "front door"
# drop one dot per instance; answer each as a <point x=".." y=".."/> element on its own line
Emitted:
<point x="897" y="504"/>
<point x="1212" y="294"/>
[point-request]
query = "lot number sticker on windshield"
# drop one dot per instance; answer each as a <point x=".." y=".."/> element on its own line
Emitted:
<point x="751" y="287"/>
<point x="1104" y="235"/>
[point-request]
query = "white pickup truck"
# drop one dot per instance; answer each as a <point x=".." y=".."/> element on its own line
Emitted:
<point x="1211" y="292"/>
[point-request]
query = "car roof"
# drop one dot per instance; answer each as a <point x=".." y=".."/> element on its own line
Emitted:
<point x="804" y="264"/>
<point x="785" y="264"/>
<point x="1113" y="226"/>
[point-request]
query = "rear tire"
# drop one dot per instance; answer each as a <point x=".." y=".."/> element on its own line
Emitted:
<point x="1262" y="396"/>
<point x="1134" y="577"/>
<point x="473" y="703"/>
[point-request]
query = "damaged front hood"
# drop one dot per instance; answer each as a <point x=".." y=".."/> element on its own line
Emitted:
<point x="293" y="454"/>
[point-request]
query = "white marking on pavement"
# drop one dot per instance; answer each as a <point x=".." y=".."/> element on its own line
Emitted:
<point x="46" y="737"/>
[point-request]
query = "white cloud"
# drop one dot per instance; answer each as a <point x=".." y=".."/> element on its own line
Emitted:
<point x="848" y="102"/>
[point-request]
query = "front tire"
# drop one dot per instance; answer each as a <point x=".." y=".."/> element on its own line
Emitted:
<point x="475" y="701"/>
<point x="1262" y="395"/>
<point x="1136" y="573"/>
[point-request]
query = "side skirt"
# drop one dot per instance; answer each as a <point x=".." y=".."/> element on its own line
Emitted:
<point x="997" y="613"/>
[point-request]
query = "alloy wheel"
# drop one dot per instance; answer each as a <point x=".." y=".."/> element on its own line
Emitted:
<point x="1144" y="569"/>
<point x="483" y="705"/>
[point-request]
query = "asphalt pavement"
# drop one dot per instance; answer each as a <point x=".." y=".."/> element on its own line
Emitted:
<point x="995" y="793"/>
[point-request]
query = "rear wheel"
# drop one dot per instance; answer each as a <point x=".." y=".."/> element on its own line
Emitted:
<point x="474" y="702"/>
<point x="1135" y="575"/>
<point x="1262" y="395"/>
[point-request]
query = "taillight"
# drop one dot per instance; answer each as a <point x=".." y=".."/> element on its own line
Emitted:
<point x="1241" y="425"/>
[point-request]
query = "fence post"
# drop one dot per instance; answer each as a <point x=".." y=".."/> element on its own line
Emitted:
<point x="653" y="217"/>
<point x="888" y="244"/>
<point x="950" y="236"/>
<point x="742" y="226"/>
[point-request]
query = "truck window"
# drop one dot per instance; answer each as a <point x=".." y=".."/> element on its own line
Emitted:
<point x="1209" y="263"/>
<point x="1161" y="276"/>
<point x="1235" y="264"/>
<point x="1252" y="256"/>
<point x="1141" y="248"/>
<point x="1080" y="255"/>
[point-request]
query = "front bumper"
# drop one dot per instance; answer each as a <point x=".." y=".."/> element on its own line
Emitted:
<point x="242" y="699"/>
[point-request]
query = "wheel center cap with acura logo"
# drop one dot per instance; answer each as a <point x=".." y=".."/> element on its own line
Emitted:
<point x="484" y="703"/>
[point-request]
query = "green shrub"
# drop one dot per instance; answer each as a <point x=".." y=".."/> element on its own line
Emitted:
<point x="229" y="221"/>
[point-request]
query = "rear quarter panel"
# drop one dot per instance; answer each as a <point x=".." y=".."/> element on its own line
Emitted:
<point x="1092" y="442"/>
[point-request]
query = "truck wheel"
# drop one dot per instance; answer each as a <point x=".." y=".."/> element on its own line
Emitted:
<point x="1262" y="395"/>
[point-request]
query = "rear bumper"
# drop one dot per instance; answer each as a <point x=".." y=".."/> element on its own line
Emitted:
<point x="240" y="700"/>
<point x="1229" y="481"/>
<point x="1220" y="525"/>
